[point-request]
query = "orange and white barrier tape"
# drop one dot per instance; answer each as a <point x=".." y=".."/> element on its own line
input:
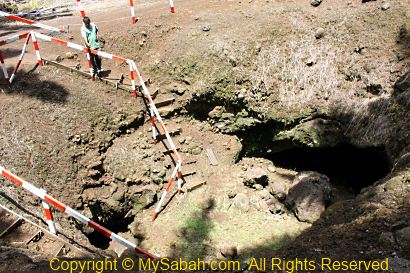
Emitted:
<point x="73" y="213"/>
<point x="13" y="38"/>
<point x="23" y="51"/>
<point x="164" y="194"/>
<point x="178" y="168"/>
<point x="29" y="22"/>
<point x="153" y="110"/>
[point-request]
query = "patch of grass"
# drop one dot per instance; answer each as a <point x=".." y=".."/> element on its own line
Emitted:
<point x="195" y="236"/>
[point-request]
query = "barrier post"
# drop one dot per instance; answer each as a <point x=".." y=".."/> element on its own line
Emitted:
<point x="92" y="72"/>
<point x="36" y="48"/>
<point x="49" y="215"/>
<point x="164" y="194"/>
<point x="23" y="51"/>
<point x="132" y="76"/>
<point x="73" y="213"/>
<point x="179" y="177"/>
<point x="80" y="7"/>
<point x="132" y="12"/>
<point x="4" y="68"/>
<point x="154" y="130"/>
<point x="171" y="4"/>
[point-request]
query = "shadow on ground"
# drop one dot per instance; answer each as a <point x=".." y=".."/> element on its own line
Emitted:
<point x="33" y="85"/>
<point x="194" y="236"/>
<point x="10" y="53"/>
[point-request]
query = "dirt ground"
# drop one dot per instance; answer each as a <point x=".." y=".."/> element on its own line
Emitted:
<point x="90" y="145"/>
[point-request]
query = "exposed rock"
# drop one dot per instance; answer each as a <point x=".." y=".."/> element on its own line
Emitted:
<point x="276" y="207"/>
<point x="399" y="265"/>
<point x="308" y="196"/>
<point x="206" y="28"/>
<point x="385" y="6"/>
<point x="178" y="91"/>
<point x="374" y="88"/>
<point x="69" y="55"/>
<point x="256" y="175"/>
<point x="196" y="150"/>
<point x="271" y="169"/>
<point x="58" y="59"/>
<point x="386" y="239"/>
<point x="315" y="3"/>
<point x="241" y="201"/>
<point x="279" y="189"/>
<point x="320" y="33"/>
<point x="403" y="238"/>
<point x="403" y="83"/>
<point x="314" y="133"/>
<point x="229" y="251"/>
<point x="310" y="62"/>
<point x="216" y="112"/>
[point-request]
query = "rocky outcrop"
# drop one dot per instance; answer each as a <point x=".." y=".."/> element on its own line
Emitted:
<point x="314" y="133"/>
<point x="308" y="196"/>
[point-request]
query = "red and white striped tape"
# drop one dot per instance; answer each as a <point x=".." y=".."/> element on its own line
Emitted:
<point x="81" y="48"/>
<point x="164" y="194"/>
<point x="153" y="110"/>
<point x="171" y="4"/>
<point x="13" y="38"/>
<point x="81" y="8"/>
<point x="4" y="68"/>
<point x="29" y="22"/>
<point x="49" y="216"/>
<point x="158" y="116"/>
<point x="36" y="48"/>
<point x="134" y="20"/>
<point x="23" y="51"/>
<point x="73" y="213"/>
<point x="178" y="169"/>
<point x="132" y="77"/>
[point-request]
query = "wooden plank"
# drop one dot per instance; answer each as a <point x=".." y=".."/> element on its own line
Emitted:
<point x="36" y="237"/>
<point x="172" y="133"/>
<point x="167" y="152"/>
<point x="193" y="187"/>
<point x="189" y="174"/>
<point x="164" y="102"/>
<point x="190" y="161"/>
<point x="13" y="226"/>
<point x="211" y="157"/>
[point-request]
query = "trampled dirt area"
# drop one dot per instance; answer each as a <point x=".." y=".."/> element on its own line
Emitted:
<point x="305" y="109"/>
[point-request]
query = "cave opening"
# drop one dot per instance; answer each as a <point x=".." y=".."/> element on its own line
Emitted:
<point x="346" y="166"/>
<point x="100" y="241"/>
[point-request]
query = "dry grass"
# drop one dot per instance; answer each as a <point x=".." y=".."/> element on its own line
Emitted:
<point x="300" y="72"/>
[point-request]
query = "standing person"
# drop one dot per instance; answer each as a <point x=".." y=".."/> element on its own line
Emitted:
<point x="89" y="32"/>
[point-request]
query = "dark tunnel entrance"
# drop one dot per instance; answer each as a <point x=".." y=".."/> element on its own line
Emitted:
<point x="347" y="166"/>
